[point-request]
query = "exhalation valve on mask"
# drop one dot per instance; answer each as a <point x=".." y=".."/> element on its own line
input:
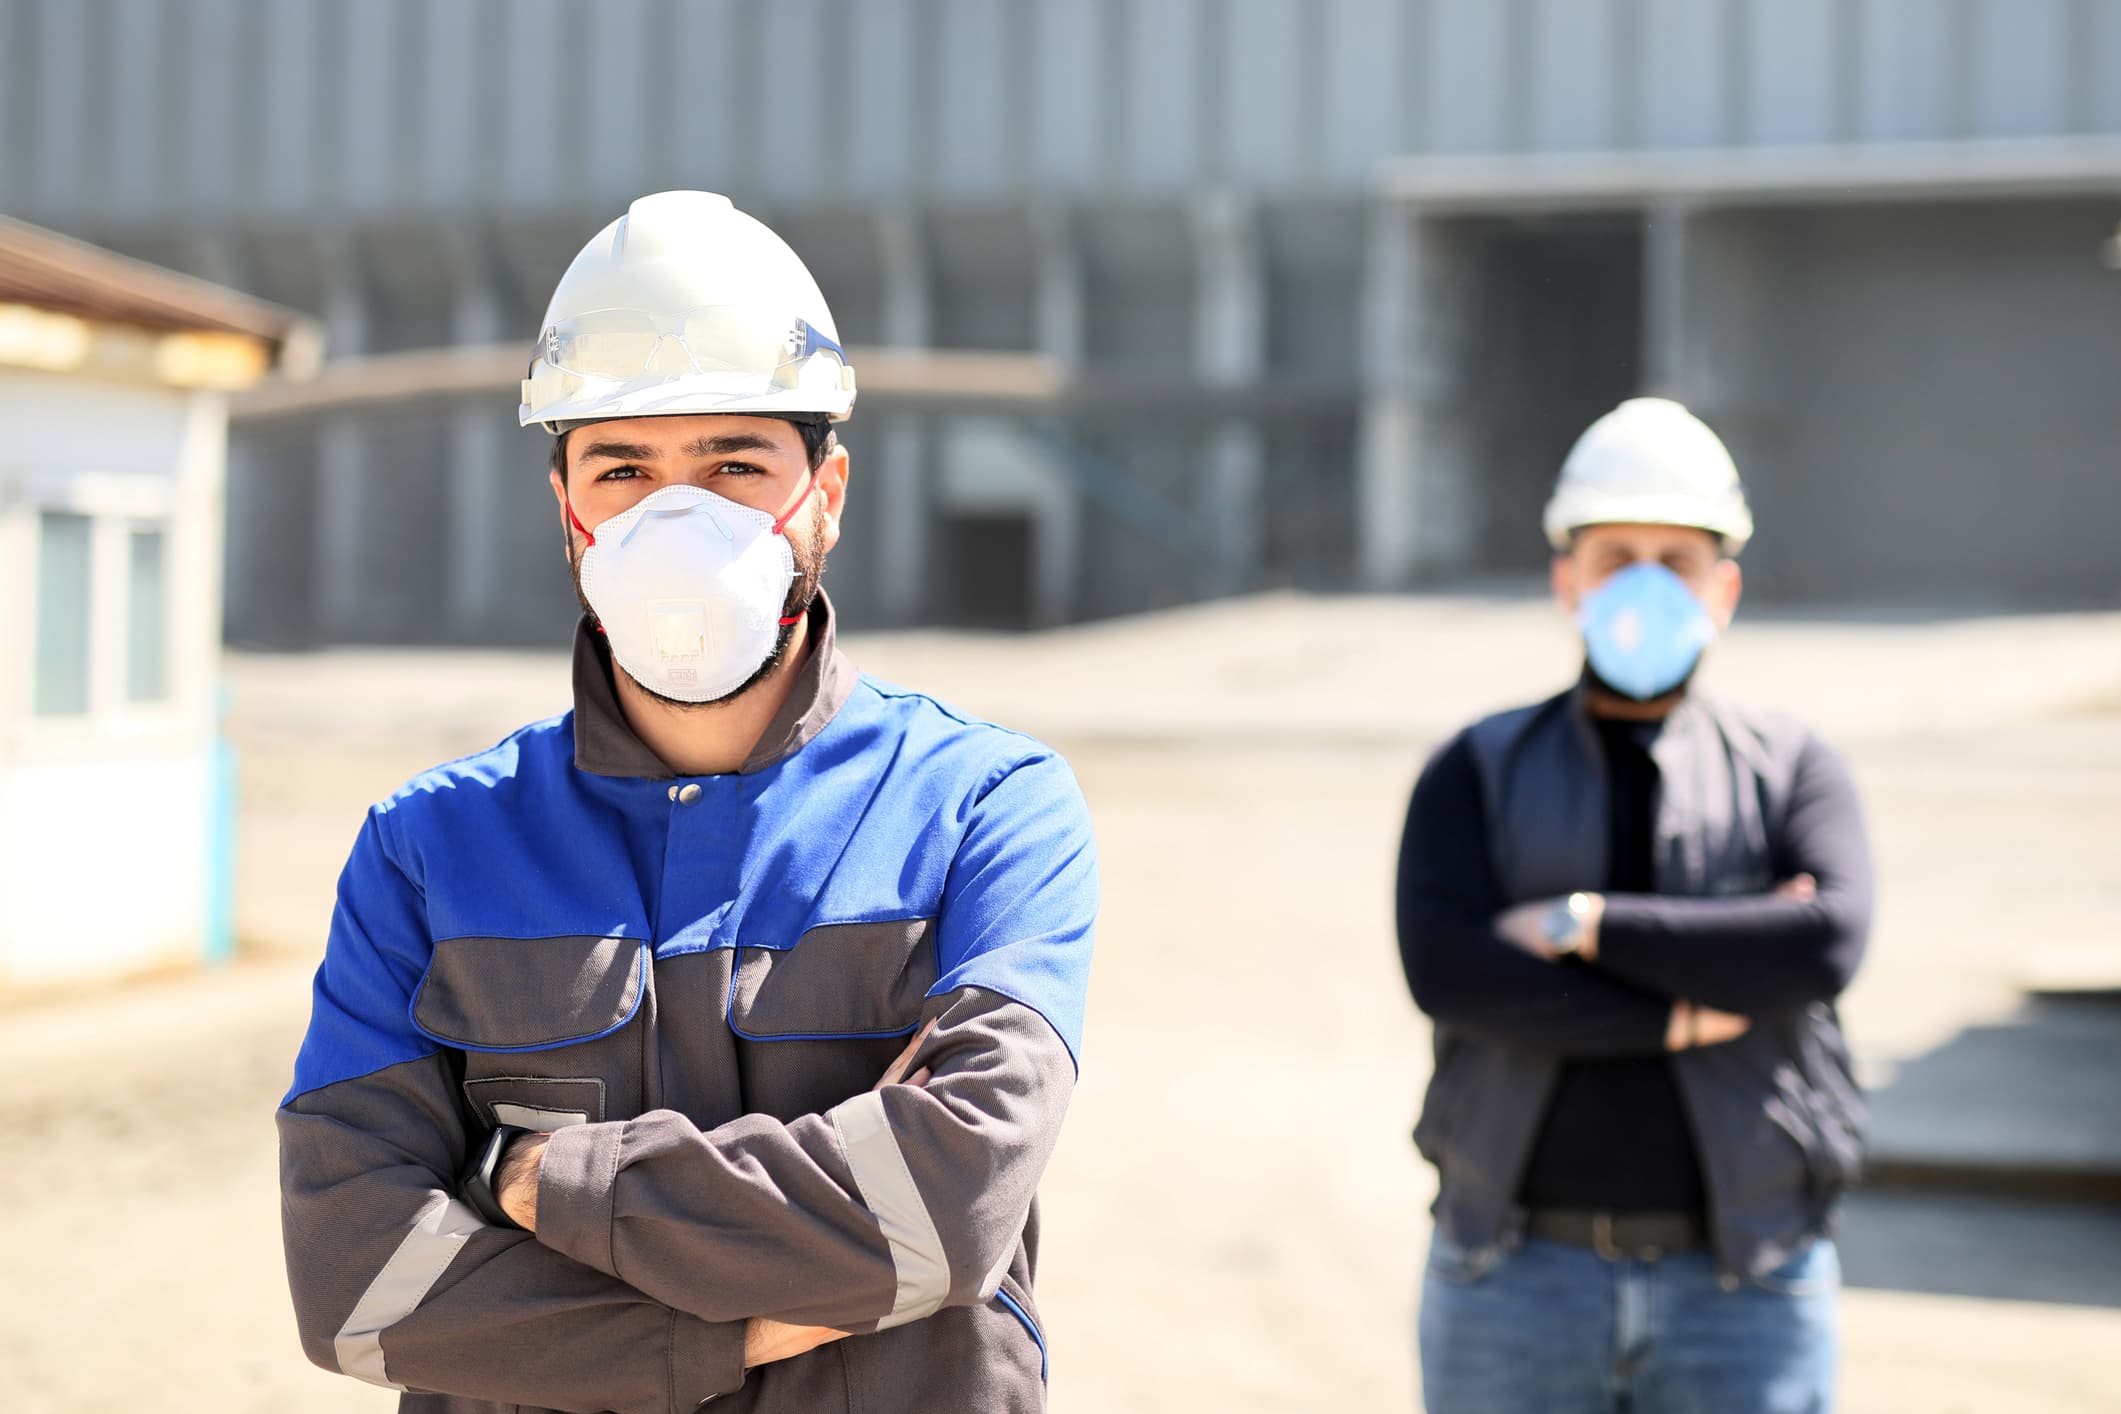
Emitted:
<point x="1644" y="631"/>
<point x="689" y="587"/>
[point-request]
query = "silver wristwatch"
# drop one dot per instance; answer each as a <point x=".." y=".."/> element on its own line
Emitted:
<point x="1565" y="924"/>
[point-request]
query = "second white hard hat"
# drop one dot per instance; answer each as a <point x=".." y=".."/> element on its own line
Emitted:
<point x="686" y="305"/>
<point x="1649" y="462"/>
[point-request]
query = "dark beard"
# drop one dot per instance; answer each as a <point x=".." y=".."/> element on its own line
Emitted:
<point x="802" y="593"/>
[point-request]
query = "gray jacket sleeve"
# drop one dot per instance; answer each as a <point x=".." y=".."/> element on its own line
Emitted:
<point x="395" y="1281"/>
<point x="890" y="1206"/>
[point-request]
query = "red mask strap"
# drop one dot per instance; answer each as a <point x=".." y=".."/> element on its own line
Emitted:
<point x="576" y="521"/>
<point x="809" y="485"/>
<point x="781" y="525"/>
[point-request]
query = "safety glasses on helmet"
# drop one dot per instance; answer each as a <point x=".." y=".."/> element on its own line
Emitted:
<point x="629" y="343"/>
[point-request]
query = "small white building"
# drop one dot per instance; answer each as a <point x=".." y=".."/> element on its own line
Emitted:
<point x="116" y="792"/>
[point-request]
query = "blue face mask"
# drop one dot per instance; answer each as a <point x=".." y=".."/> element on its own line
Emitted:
<point x="1644" y="630"/>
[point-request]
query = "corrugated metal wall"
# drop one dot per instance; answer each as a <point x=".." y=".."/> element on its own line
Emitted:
<point x="1118" y="183"/>
<point x="247" y="110"/>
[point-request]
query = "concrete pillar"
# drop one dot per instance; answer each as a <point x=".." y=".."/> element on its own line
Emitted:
<point x="902" y="450"/>
<point x="241" y="566"/>
<point x="1388" y="458"/>
<point x="1666" y="228"/>
<point x="1230" y="353"/>
<point x="342" y="451"/>
<point x="1060" y="301"/>
<point x="480" y="495"/>
<point x="1059" y="310"/>
<point x="1422" y="457"/>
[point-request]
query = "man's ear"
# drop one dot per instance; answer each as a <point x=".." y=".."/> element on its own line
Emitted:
<point x="1561" y="575"/>
<point x="1725" y="590"/>
<point x="832" y="493"/>
<point x="559" y="494"/>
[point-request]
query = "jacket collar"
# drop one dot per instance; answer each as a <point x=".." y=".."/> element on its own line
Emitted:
<point x="605" y="745"/>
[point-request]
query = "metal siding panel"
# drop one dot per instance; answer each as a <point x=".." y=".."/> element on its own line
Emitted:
<point x="288" y="90"/>
<point x="1681" y="99"/>
<point x="59" y="134"/>
<point x="1161" y="146"/>
<point x="616" y="85"/>
<point x="209" y="85"/>
<point x="971" y="141"/>
<point x="1362" y="87"/>
<point x="701" y="99"/>
<point x="1468" y="75"/>
<point x="448" y="131"/>
<point x="1073" y="87"/>
<point x="1575" y="63"/>
<point x="1789" y="72"/>
<point x="880" y="99"/>
<point x="134" y="172"/>
<point x="1906" y="71"/>
<point x="1259" y="121"/>
<point x="531" y="151"/>
<point x="793" y="49"/>
<point x="368" y="106"/>
<point x="2021" y="68"/>
<point x="2103" y="68"/>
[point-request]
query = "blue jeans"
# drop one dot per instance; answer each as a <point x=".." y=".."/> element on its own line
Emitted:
<point x="1547" y="1328"/>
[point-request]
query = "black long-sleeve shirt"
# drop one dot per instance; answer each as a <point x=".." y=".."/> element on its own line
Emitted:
<point x="1615" y="1135"/>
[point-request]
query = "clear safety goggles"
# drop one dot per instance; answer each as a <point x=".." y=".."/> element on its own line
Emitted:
<point x="633" y="344"/>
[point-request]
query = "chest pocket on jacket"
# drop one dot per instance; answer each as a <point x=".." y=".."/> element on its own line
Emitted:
<point x="843" y="981"/>
<point x="554" y="1031"/>
<point x="818" y="1022"/>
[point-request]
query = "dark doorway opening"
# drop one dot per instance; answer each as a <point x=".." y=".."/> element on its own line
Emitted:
<point x="1549" y="337"/>
<point x="986" y="569"/>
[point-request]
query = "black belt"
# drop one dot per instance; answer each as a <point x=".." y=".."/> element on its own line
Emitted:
<point x="1641" y="1237"/>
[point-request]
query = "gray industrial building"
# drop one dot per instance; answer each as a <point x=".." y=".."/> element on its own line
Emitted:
<point x="1267" y="293"/>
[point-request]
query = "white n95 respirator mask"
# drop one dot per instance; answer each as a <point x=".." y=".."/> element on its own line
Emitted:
<point x="690" y="588"/>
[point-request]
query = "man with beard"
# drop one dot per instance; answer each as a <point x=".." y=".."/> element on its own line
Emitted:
<point x="710" y="1039"/>
<point x="1628" y="911"/>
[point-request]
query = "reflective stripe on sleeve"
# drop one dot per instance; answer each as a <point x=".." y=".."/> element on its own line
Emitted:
<point x="399" y="1288"/>
<point x="880" y="1171"/>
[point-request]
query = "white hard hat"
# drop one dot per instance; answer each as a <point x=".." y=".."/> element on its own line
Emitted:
<point x="1649" y="462"/>
<point x="686" y="305"/>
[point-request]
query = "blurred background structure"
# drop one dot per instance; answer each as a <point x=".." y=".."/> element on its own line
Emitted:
<point x="114" y="383"/>
<point x="1153" y="302"/>
<point x="1300" y="293"/>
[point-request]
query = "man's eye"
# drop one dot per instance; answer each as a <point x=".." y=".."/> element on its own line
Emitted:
<point x="620" y="473"/>
<point x="740" y="469"/>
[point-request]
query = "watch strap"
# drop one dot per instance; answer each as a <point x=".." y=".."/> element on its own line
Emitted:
<point x="476" y="1187"/>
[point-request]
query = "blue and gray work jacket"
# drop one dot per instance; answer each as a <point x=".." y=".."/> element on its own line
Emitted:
<point x="693" y="983"/>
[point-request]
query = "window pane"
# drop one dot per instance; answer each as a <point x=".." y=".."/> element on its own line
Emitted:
<point x="146" y="631"/>
<point x="62" y="614"/>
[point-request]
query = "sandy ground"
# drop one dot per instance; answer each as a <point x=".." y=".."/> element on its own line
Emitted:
<point x="1235" y="1215"/>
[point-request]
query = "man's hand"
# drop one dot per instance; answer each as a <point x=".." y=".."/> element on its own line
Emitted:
<point x="1693" y="1025"/>
<point x="515" y="1184"/>
<point x="516" y="1187"/>
<point x="766" y="1341"/>
<point x="1525" y="927"/>
<point x="1801" y="887"/>
<point x="895" y="1073"/>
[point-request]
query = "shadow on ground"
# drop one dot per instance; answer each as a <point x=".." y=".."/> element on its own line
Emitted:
<point x="1995" y="1248"/>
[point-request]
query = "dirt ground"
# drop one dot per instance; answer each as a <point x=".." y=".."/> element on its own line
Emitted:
<point x="1235" y="1216"/>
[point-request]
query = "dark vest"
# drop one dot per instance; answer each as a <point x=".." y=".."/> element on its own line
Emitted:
<point x="1776" y="1115"/>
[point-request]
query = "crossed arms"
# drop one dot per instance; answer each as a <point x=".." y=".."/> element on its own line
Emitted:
<point x="661" y="1244"/>
<point x="1663" y="973"/>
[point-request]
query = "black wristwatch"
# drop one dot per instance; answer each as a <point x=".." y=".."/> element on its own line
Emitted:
<point x="476" y="1185"/>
